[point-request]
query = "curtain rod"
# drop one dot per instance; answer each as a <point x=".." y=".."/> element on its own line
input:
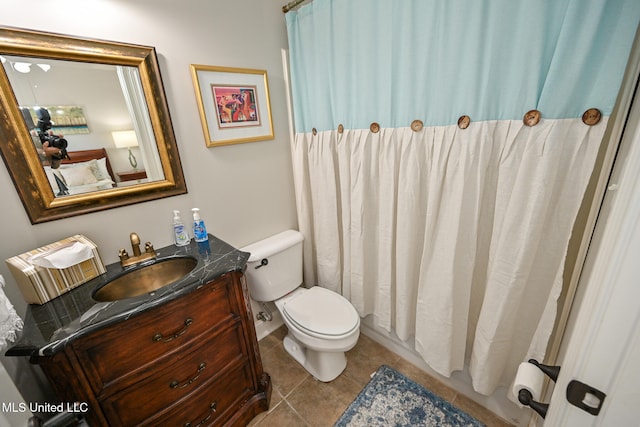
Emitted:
<point x="287" y="7"/>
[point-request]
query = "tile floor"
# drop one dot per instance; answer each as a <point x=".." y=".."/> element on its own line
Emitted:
<point x="298" y="399"/>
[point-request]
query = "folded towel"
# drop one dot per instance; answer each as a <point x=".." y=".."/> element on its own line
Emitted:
<point x="10" y="322"/>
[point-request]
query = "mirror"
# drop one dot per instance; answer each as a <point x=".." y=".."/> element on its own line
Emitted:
<point x="85" y="124"/>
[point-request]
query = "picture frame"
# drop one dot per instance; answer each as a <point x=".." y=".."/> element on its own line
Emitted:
<point x="234" y="104"/>
<point x="65" y="119"/>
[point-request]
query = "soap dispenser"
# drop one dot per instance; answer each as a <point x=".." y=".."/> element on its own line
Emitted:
<point x="179" y="231"/>
<point x="199" y="229"/>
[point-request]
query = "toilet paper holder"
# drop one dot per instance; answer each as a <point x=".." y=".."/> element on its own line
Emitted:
<point x="526" y="398"/>
<point x="550" y="371"/>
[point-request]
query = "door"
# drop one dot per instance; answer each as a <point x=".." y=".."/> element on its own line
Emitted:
<point x="603" y="347"/>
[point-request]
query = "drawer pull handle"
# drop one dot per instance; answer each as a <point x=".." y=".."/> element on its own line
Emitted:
<point x="159" y="337"/>
<point x="176" y="383"/>
<point x="212" y="409"/>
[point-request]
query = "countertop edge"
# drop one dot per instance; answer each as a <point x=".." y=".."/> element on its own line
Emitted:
<point x="215" y="259"/>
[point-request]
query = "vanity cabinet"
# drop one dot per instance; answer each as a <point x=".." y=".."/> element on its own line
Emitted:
<point x="193" y="361"/>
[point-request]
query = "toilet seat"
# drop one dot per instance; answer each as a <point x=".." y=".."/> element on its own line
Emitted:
<point x="321" y="313"/>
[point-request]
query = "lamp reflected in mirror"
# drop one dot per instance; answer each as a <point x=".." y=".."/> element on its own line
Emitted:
<point x="126" y="139"/>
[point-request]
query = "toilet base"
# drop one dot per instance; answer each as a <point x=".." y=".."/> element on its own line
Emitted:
<point x="324" y="366"/>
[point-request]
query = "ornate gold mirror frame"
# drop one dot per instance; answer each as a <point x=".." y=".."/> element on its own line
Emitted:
<point x="20" y="154"/>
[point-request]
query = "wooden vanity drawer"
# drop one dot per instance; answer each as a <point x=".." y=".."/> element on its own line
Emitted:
<point x="176" y="377"/>
<point x="215" y="404"/>
<point x="125" y="376"/>
<point x="138" y="341"/>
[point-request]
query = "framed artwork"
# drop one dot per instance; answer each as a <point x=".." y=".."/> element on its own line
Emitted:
<point x="234" y="104"/>
<point x="64" y="119"/>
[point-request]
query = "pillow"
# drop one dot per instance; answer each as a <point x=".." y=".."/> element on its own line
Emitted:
<point x="97" y="166"/>
<point x="78" y="175"/>
<point x="102" y="167"/>
<point x="96" y="171"/>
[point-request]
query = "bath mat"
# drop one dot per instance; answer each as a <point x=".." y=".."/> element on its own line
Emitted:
<point x="391" y="399"/>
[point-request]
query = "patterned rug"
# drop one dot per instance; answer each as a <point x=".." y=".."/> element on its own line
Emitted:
<point x="391" y="399"/>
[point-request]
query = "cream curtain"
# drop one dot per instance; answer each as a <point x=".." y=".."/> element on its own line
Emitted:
<point x="455" y="238"/>
<point x="451" y="239"/>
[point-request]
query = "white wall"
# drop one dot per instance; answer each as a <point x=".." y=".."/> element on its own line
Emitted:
<point x="244" y="191"/>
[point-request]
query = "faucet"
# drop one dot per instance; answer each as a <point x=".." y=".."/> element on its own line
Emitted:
<point x="138" y="255"/>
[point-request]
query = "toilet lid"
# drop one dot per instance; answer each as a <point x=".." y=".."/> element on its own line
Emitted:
<point x="321" y="311"/>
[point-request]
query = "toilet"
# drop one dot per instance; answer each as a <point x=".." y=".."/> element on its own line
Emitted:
<point x="322" y="325"/>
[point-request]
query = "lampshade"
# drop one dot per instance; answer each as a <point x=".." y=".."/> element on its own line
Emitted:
<point x="125" y="138"/>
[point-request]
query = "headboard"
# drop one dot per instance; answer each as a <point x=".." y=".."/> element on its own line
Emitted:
<point x="86" y="155"/>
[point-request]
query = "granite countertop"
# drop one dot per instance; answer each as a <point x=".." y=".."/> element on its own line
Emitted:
<point x="49" y="327"/>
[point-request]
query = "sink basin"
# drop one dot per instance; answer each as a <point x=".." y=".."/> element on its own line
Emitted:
<point x="146" y="278"/>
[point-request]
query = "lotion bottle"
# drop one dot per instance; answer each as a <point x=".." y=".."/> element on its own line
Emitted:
<point x="179" y="231"/>
<point x="199" y="229"/>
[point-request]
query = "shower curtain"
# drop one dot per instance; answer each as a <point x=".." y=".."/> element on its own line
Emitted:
<point x="451" y="237"/>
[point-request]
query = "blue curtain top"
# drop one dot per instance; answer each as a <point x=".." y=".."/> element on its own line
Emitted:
<point x="354" y="62"/>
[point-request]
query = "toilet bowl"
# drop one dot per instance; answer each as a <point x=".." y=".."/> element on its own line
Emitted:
<point x="322" y="325"/>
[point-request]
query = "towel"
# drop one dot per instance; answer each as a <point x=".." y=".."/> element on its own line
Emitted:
<point x="10" y="322"/>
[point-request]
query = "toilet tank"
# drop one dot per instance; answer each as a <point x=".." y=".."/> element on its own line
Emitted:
<point x="281" y="272"/>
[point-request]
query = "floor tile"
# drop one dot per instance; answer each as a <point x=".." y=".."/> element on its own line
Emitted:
<point x="285" y="372"/>
<point x="298" y="399"/>
<point x="322" y="403"/>
<point x="282" y="416"/>
<point x="365" y="358"/>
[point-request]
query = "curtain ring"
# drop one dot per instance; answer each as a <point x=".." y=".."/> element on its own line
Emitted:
<point x="417" y="125"/>
<point x="374" y="128"/>
<point x="531" y="118"/>
<point x="464" y="121"/>
<point x="340" y="128"/>
<point x="591" y="117"/>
